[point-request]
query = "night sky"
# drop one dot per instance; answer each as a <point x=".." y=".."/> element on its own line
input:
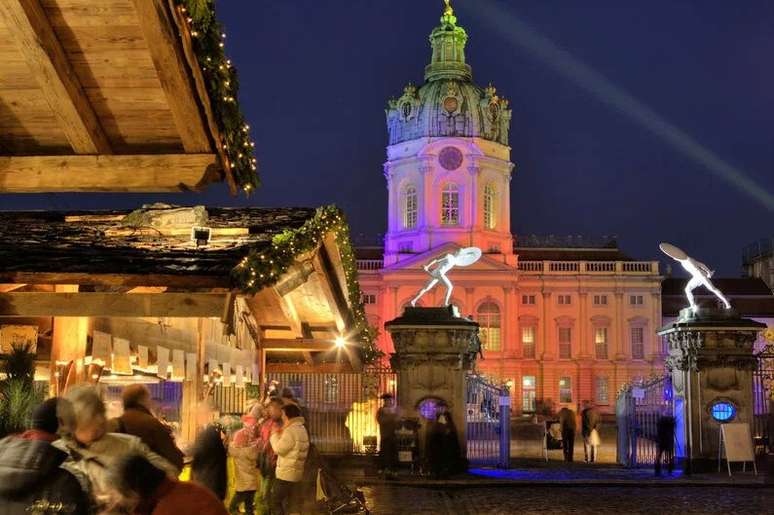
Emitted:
<point x="315" y="77"/>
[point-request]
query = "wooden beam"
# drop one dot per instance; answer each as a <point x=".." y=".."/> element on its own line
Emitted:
<point x="148" y="289"/>
<point x="327" y="368"/>
<point x="291" y="313"/>
<point x="10" y="287"/>
<point x="328" y="287"/>
<point x="85" y="304"/>
<point x="161" y="36"/>
<point x="296" y="276"/>
<point x="181" y="20"/>
<point x="297" y="344"/>
<point x="125" y="173"/>
<point x="30" y="29"/>
<point x="116" y="280"/>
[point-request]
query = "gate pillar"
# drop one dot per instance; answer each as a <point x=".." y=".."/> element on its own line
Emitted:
<point x="712" y="363"/>
<point x="434" y="349"/>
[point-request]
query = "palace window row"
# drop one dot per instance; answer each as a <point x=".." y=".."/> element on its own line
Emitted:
<point x="565" y="340"/>
<point x="450" y="206"/>
<point x="566" y="394"/>
<point x="596" y="300"/>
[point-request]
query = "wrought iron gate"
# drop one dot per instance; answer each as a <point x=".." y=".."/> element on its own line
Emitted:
<point x="341" y="407"/>
<point x="763" y="395"/>
<point x="638" y="408"/>
<point x="487" y="423"/>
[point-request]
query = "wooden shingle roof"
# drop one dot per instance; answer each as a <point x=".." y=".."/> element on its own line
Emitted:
<point x="97" y="246"/>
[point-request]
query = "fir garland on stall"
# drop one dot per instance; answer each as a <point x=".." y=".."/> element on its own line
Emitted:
<point x="263" y="268"/>
<point x="222" y="85"/>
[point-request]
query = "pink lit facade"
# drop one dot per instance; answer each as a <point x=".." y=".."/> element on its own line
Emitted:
<point x="560" y="324"/>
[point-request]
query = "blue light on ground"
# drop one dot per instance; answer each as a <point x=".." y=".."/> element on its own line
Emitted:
<point x="571" y="473"/>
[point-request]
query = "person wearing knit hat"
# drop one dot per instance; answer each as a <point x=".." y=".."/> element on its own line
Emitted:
<point x="31" y="472"/>
<point x="44" y="417"/>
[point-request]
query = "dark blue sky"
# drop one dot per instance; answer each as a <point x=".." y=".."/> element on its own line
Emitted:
<point x="315" y="77"/>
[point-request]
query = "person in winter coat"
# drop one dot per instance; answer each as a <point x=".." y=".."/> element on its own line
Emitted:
<point x="569" y="426"/>
<point x="209" y="467"/>
<point x="443" y="448"/>
<point x="92" y="450"/>
<point x="665" y="442"/>
<point x="291" y="443"/>
<point x="151" y="492"/>
<point x="267" y="458"/>
<point x="137" y="420"/>
<point x="590" y="432"/>
<point x="244" y="450"/>
<point x="31" y="473"/>
<point x="388" y="418"/>
<point x="288" y="397"/>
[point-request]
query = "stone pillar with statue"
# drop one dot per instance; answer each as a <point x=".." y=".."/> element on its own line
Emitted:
<point x="712" y="363"/>
<point x="435" y="348"/>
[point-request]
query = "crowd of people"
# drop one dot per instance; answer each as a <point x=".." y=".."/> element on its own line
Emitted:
<point x="74" y="460"/>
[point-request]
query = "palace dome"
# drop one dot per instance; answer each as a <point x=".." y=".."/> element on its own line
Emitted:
<point x="449" y="104"/>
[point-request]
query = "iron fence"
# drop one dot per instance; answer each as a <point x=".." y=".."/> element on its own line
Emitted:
<point x="487" y="423"/>
<point x="341" y="407"/>
<point x="763" y="379"/>
<point x="229" y="400"/>
<point x="638" y="409"/>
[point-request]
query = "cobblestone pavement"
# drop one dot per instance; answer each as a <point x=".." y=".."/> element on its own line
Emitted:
<point x="387" y="499"/>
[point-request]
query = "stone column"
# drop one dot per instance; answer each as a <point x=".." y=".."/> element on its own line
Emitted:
<point x="711" y="360"/>
<point x="434" y="349"/>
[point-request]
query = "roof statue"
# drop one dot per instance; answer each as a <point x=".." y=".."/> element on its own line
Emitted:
<point x="700" y="275"/>
<point x="449" y="103"/>
<point x="438" y="268"/>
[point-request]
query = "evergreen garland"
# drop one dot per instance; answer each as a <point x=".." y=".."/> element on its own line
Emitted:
<point x="222" y="86"/>
<point x="263" y="268"/>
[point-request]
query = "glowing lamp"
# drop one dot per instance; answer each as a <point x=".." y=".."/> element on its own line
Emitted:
<point x="340" y="342"/>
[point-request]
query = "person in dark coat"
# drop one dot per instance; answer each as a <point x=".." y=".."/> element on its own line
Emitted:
<point x="589" y="424"/>
<point x="569" y="426"/>
<point x="443" y="448"/>
<point x="152" y="492"/>
<point x="209" y="465"/>
<point x="387" y="418"/>
<point x="31" y="473"/>
<point x="138" y="420"/>
<point x="665" y="443"/>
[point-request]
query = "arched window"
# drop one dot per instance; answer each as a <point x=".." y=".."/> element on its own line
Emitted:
<point x="489" y="207"/>
<point x="450" y="205"/>
<point x="409" y="207"/>
<point x="488" y="316"/>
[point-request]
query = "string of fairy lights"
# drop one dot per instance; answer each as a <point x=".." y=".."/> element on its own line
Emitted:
<point x="220" y="78"/>
<point x="263" y="268"/>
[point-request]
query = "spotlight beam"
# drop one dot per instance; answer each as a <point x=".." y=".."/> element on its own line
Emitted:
<point x="520" y="34"/>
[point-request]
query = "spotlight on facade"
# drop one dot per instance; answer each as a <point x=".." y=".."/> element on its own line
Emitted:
<point x="340" y="342"/>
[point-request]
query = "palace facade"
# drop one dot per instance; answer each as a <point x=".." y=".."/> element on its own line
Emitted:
<point x="561" y="321"/>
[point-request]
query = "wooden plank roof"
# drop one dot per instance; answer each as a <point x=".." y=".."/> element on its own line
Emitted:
<point x="101" y="244"/>
<point x="106" y="78"/>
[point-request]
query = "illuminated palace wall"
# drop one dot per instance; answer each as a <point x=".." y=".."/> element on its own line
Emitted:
<point x="563" y="323"/>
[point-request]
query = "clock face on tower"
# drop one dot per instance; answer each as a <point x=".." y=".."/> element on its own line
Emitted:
<point x="450" y="158"/>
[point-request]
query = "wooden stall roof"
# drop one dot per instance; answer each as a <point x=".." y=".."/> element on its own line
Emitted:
<point x="104" y="95"/>
<point x="145" y="263"/>
<point x="104" y="248"/>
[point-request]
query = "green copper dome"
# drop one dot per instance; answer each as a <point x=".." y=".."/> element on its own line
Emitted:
<point x="449" y="104"/>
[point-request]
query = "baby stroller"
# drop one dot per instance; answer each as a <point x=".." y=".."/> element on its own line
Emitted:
<point x="333" y="496"/>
